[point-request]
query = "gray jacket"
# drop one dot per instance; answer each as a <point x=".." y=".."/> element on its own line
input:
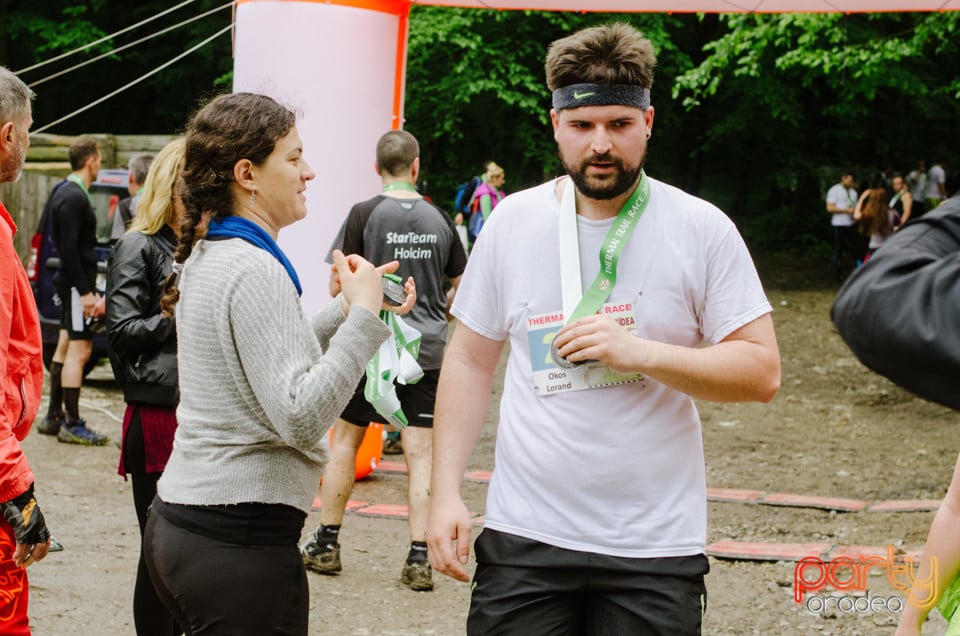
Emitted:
<point x="900" y="313"/>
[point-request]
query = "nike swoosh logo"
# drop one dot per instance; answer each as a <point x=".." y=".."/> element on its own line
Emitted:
<point x="577" y="95"/>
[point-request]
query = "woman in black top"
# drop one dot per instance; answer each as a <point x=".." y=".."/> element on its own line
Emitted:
<point x="143" y="352"/>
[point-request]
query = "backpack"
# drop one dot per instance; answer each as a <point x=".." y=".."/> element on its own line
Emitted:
<point x="474" y="224"/>
<point x="461" y="202"/>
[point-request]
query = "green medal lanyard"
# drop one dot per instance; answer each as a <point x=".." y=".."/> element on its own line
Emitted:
<point x="399" y="185"/>
<point x="394" y="362"/>
<point x="73" y="178"/>
<point x="578" y="304"/>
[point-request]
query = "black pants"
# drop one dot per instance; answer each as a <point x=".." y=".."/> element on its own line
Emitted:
<point x="847" y="239"/>
<point x="216" y="587"/>
<point x="150" y="616"/>
<point x="527" y="588"/>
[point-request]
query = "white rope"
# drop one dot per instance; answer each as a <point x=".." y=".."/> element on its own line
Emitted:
<point x="136" y="81"/>
<point x="103" y="39"/>
<point x="88" y="405"/>
<point x="110" y="414"/>
<point x="127" y="46"/>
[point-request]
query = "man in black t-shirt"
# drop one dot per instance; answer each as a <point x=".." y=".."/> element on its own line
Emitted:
<point x="400" y="225"/>
<point x="73" y="227"/>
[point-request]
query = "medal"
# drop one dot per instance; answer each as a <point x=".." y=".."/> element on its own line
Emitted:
<point x="393" y="292"/>
<point x="560" y="361"/>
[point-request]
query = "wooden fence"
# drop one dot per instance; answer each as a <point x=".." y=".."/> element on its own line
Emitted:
<point x="48" y="162"/>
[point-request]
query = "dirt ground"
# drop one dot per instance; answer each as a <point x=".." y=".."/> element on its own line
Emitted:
<point x="835" y="429"/>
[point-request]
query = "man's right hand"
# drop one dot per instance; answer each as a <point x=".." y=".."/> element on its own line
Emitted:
<point x="448" y="537"/>
<point x="89" y="302"/>
<point x="99" y="307"/>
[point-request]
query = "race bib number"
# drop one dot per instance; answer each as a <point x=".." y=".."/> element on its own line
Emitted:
<point x="549" y="379"/>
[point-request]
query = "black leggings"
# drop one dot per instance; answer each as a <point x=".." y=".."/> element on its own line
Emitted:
<point x="150" y="616"/>
<point x="218" y="587"/>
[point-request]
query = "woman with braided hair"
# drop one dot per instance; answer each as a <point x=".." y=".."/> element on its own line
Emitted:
<point x="260" y="382"/>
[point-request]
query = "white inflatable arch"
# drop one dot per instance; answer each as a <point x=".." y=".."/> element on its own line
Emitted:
<point x="342" y="63"/>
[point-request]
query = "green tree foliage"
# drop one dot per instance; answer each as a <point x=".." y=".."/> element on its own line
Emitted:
<point x="40" y="30"/>
<point x="796" y="99"/>
<point x="756" y="113"/>
<point x="52" y="35"/>
<point x="476" y="89"/>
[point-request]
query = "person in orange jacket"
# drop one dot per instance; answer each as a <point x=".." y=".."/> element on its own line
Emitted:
<point x="24" y="537"/>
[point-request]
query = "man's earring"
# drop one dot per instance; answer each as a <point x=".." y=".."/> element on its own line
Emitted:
<point x="253" y="195"/>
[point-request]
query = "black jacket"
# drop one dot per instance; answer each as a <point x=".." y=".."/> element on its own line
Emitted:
<point x="142" y="344"/>
<point x="900" y="313"/>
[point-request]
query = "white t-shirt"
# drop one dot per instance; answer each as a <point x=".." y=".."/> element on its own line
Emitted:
<point x="935" y="178"/>
<point x="617" y="470"/>
<point x="918" y="184"/>
<point x="842" y="198"/>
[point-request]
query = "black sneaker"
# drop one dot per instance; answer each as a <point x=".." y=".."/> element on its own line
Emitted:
<point x="323" y="559"/>
<point x="50" y="425"/>
<point x="80" y="434"/>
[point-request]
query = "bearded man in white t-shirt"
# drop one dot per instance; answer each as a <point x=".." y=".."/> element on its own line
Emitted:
<point x="841" y="200"/>
<point x="917" y="181"/>
<point x="623" y="300"/>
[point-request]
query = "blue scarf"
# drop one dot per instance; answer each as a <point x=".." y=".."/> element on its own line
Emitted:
<point x="239" y="227"/>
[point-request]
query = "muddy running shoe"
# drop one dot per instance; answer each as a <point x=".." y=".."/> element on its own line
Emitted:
<point x="323" y="559"/>
<point x="417" y="576"/>
<point x="80" y="434"/>
<point x="50" y="425"/>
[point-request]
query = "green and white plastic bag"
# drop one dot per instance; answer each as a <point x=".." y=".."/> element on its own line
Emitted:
<point x="395" y="361"/>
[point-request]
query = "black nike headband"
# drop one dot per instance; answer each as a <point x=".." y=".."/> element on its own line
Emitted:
<point x="577" y="95"/>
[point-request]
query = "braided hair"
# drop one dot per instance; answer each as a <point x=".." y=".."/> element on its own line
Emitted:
<point x="227" y="129"/>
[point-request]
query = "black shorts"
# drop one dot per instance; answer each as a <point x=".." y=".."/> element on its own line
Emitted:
<point x="526" y="587"/>
<point x="417" y="401"/>
<point x="71" y="315"/>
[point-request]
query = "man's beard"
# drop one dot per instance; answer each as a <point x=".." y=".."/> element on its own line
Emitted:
<point x="620" y="182"/>
<point x="12" y="168"/>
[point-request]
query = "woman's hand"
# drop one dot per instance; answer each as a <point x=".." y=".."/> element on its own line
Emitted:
<point x="360" y="281"/>
<point x="410" y="287"/>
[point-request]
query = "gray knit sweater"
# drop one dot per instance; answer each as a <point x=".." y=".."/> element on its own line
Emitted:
<point x="260" y="384"/>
